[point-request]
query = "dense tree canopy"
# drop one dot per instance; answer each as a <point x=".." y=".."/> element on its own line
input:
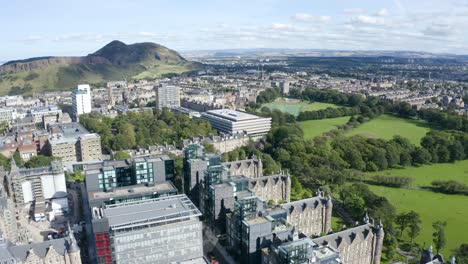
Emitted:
<point x="143" y="129"/>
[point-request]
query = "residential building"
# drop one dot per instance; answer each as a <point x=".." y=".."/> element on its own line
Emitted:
<point x="73" y="143"/>
<point x="38" y="113"/>
<point x="81" y="100"/>
<point x="233" y="122"/>
<point x="167" y="96"/>
<point x="7" y="115"/>
<point x="284" y="87"/>
<point x="160" y="230"/>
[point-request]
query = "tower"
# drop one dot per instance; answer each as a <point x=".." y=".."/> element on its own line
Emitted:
<point x="379" y="237"/>
<point x="81" y="99"/>
<point x="73" y="248"/>
<point x="328" y="214"/>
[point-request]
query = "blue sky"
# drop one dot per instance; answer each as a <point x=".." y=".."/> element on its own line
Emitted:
<point x="57" y="27"/>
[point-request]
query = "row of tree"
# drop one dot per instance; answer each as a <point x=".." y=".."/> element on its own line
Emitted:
<point x="450" y="187"/>
<point x="132" y="130"/>
<point x="328" y="113"/>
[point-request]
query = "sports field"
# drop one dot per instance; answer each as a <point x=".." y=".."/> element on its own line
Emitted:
<point x="294" y="108"/>
<point x="432" y="207"/>
<point x="314" y="128"/>
<point x="424" y="175"/>
<point x="387" y="126"/>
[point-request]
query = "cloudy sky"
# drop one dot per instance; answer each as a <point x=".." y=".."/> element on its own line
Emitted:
<point x="78" y="27"/>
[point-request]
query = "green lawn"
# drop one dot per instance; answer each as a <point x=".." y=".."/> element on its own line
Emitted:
<point x="432" y="207"/>
<point x="424" y="175"/>
<point x="314" y="128"/>
<point x="387" y="126"/>
<point x="294" y="108"/>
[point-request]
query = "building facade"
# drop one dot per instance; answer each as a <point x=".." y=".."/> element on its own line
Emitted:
<point x="311" y="216"/>
<point x="38" y="185"/>
<point x="81" y="100"/>
<point x="108" y="175"/>
<point x="73" y="143"/>
<point x="233" y="122"/>
<point x="167" y="96"/>
<point x="161" y="230"/>
<point x="358" y="245"/>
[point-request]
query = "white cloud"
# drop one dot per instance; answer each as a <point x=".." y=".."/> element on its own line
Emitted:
<point x="438" y="30"/>
<point x="354" y="11"/>
<point x="382" y="12"/>
<point x="303" y="17"/>
<point x="147" y="34"/>
<point x="368" y="20"/>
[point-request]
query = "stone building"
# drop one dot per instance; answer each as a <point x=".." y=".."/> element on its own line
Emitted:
<point x="311" y="216"/>
<point x="56" y="251"/>
<point x="223" y="143"/>
<point x="276" y="188"/>
<point x="428" y="257"/>
<point x="358" y="245"/>
<point x="251" y="168"/>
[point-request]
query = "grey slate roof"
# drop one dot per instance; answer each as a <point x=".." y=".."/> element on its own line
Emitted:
<point x="346" y="236"/>
<point x="40" y="249"/>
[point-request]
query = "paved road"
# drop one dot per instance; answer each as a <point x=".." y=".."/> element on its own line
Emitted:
<point x="211" y="244"/>
<point x="88" y="227"/>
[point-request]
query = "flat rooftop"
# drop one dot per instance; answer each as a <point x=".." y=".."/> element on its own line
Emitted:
<point x="162" y="187"/>
<point x="153" y="211"/>
<point x="232" y="115"/>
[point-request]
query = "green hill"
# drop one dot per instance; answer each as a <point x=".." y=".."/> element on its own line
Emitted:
<point x="115" y="61"/>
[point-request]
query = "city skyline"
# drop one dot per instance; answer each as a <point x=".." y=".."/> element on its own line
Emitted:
<point x="54" y="28"/>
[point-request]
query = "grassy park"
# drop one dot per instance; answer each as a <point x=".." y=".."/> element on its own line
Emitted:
<point x="432" y="207"/>
<point x="314" y="128"/>
<point x="295" y="107"/>
<point x="424" y="175"/>
<point x="387" y="126"/>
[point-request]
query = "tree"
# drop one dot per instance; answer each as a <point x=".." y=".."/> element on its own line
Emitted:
<point x="209" y="148"/>
<point x="439" y="235"/>
<point x="38" y="161"/>
<point x="121" y="155"/>
<point x="462" y="252"/>
<point x="18" y="160"/>
<point x="403" y="221"/>
<point x="414" y="224"/>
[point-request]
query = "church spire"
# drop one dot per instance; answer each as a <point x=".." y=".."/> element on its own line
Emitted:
<point x="73" y="246"/>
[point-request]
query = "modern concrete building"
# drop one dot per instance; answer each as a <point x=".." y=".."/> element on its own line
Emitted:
<point x="284" y="87"/>
<point x="233" y="122"/>
<point x="161" y="230"/>
<point x="108" y="175"/>
<point x="73" y="143"/>
<point x="81" y="100"/>
<point x="167" y="96"/>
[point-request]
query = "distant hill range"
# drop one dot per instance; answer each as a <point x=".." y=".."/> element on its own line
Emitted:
<point x="115" y="61"/>
<point x="272" y="53"/>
